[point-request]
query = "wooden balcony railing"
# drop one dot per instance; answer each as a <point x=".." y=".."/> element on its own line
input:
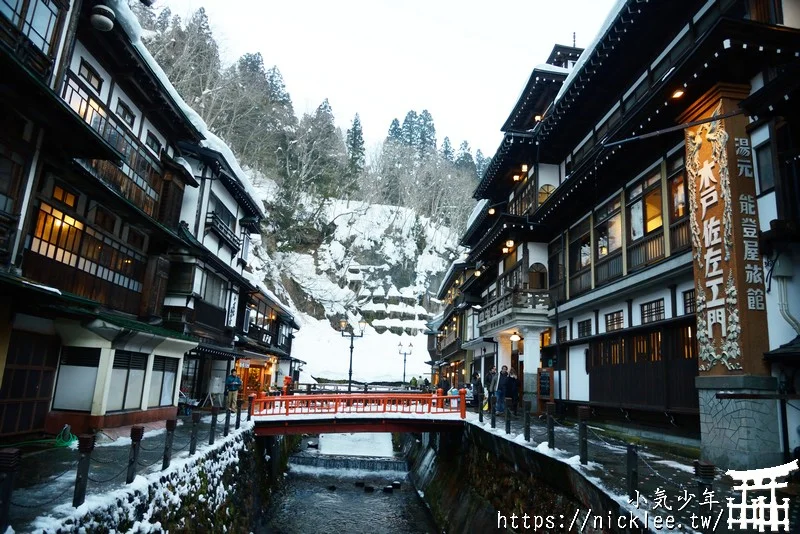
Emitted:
<point x="646" y="251"/>
<point x="679" y="235"/>
<point x="215" y="223"/>
<point x="580" y="282"/>
<point x="209" y="314"/>
<point x="23" y="48"/>
<point x="608" y="268"/>
<point x="522" y="299"/>
<point x="8" y="232"/>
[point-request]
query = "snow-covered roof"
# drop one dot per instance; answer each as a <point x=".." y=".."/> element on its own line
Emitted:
<point x="589" y="50"/>
<point x="555" y="69"/>
<point x="130" y="25"/>
<point x="393" y="292"/>
<point x="379" y="292"/>
<point x="476" y="211"/>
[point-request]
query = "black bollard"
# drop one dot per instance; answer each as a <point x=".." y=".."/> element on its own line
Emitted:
<point x="85" y="448"/>
<point x="633" y="472"/>
<point x="583" y="446"/>
<point x="239" y="403"/>
<point x="226" y="428"/>
<point x="193" y="438"/>
<point x="508" y="416"/>
<point x="480" y="408"/>
<point x="704" y="472"/>
<point x="214" y="415"/>
<point x="250" y="399"/>
<point x="9" y="465"/>
<point x="492" y="402"/>
<point x="171" y="424"/>
<point x="551" y="434"/>
<point x="527" y="420"/>
<point x="133" y="458"/>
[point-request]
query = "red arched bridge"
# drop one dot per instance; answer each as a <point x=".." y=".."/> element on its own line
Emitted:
<point x="358" y="412"/>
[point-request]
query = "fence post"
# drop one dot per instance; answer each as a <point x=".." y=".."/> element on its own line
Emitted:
<point x="507" y="415"/>
<point x="171" y="424"/>
<point x="704" y="472"/>
<point x="193" y="438"/>
<point x="212" y="433"/>
<point x="527" y="420"/>
<point x="133" y="458"/>
<point x="551" y="434"/>
<point x="85" y="448"/>
<point x="227" y="426"/>
<point x="239" y="403"/>
<point x="462" y="402"/>
<point x="250" y="399"/>
<point x="480" y="407"/>
<point x="633" y="472"/>
<point x="492" y="402"/>
<point x="583" y="447"/>
<point x="9" y="465"/>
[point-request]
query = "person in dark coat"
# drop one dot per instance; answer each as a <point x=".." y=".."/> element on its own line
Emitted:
<point x="512" y="389"/>
<point x="489" y="380"/>
<point x="477" y="390"/>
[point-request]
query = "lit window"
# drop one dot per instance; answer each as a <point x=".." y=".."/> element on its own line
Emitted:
<point x="614" y="321"/>
<point x="153" y="143"/>
<point x="585" y="328"/>
<point x="125" y="113"/>
<point x="689" y="304"/>
<point x="653" y="311"/>
<point x="64" y="196"/>
<point x="645" y="207"/>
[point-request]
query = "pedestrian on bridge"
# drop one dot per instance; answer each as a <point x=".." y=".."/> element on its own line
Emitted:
<point x="232" y="385"/>
<point x="477" y="390"/>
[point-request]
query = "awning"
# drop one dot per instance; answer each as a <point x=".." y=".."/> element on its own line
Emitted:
<point x="215" y="352"/>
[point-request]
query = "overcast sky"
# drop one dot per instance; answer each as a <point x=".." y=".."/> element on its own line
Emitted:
<point x="465" y="61"/>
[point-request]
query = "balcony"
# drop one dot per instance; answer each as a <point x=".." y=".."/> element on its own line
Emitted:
<point x="515" y="304"/>
<point x="608" y="268"/>
<point x="679" y="236"/>
<point x="208" y="314"/>
<point x="215" y="223"/>
<point x="23" y="48"/>
<point x="580" y="282"/>
<point x="646" y="251"/>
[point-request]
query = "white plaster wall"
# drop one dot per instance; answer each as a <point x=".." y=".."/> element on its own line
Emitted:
<point x="791" y="13"/>
<point x="75" y="62"/>
<point x="548" y="174"/>
<point x="537" y="253"/>
<point x="683" y="286"/>
<point x="647" y="297"/>
<point x="577" y="376"/>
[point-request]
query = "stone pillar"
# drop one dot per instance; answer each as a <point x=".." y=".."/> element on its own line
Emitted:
<point x="729" y="287"/>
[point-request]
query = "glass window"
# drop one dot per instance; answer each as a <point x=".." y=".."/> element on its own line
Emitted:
<point x="64" y="196"/>
<point x="11" y="166"/>
<point x="12" y="10"/>
<point x="105" y="219"/>
<point x="162" y="381"/>
<point x="214" y="289"/>
<point x="644" y="207"/>
<point x="544" y="192"/>
<point x="135" y="239"/>
<point x="562" y="334"/>
<point x="40" y="23"/>
<point x="216" y="206"/>
<point x="614" y="321"/>
<point x="689" y="304"/>
<point x="677" y="197"/>
<point x="585" y="328"/>
<point x="653" y="311"/>
<point x="127" y="380"/>
<point x="766" y="176"/>
<point x="90" y="75"/>
<point x="125" y="113"/>
<point x="153" y="143"/>
<point x="608" y="228"/>
<point x="580" y="248"/>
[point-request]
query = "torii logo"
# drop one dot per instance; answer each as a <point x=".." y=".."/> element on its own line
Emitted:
<point x="760" y="513"/>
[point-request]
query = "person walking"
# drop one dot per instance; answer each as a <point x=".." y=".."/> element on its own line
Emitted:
<point x="491" y="385"/>
<point x="512" y="389"/>
<point x="477" y="390"/>
<point x="501" y="384"/>
<point x="232" y="385"/>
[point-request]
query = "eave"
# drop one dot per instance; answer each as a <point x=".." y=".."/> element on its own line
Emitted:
<point x="536" y="97"/>
<point x="520" y="229"/>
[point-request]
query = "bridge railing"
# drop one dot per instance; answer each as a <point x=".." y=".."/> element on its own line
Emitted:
<point x="366" y="403"/>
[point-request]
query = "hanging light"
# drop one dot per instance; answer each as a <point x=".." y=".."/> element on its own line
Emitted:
<point x="477" y="273"/>
<point x="516" y="178"/>
<point x="505" y="250"/>
<point x="678" y="93"/>
<point x="510" y="243"/>
<point x="537" y="118"/>
<point x="524" y="167"/>
<point x="515" y="337"/>
<point x="102" y="18"/>
<point x="491" y="211"/>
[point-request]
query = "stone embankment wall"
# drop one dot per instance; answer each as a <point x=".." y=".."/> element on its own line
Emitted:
<point x="228" y="486"/>
<point x="469" y="479"/>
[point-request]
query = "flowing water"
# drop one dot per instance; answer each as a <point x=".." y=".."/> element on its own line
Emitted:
<point x="343" y="486"/>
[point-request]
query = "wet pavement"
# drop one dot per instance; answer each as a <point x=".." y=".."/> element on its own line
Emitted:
<point x="46" y="478"/>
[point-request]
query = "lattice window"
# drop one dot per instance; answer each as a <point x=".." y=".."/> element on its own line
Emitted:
<point x="653" y="311"/>
<point x="614" y="321"/>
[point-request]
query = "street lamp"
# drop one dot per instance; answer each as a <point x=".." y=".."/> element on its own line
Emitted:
<point x="405" y="351"/>
<point x="347" y="331"/>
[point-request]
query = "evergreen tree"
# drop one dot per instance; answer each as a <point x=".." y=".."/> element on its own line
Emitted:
<point x="395" y="132"/>
<point x="481" y="162"/>
<point x="411" y="133"/>
<point x="446" y="151"/>
<point x="464" y="159"/>
<point x="427" y="134"/>
<point x="162" y="21"/>
<point x="356" y="155"/>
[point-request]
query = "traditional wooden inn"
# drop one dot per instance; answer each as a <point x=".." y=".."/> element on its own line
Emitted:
<point x="632" y="247"/>
<point x="98" y="213"/>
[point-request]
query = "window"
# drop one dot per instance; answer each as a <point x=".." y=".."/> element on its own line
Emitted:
<point x="562" y="334"/>
<point x="105" y="219"/>
<point x="216" y="206"/>
<point x="135" y="239"/>
<point x="537" y="276"/>
<point x="544" y="338"/>
<point x="213" y="289"/>
<point x="585" y="328"/>
<point x="162" y="381"/>
<point x="11" y="166"/>
<point x="181" y="278"/>
<point x="544" y="192"/>
<point x="614" y="321"/>
<point x="153" y="143"/>
<point x="39" y="19"/>
<point x="125" y="113"/>
<point x="284" y="335"/>
<point x="653" y="311"/>
<point x="608" y="228"/>
<point x="644" y="207"/>
<point x="89" y="74"/>
<point x="689" y="303"/>
<point x="57" y="235"/>
<point x="127" y="380"/>
<point x="64" y="196"/>
<point x="580" y="250"/>
<point x="677" y="197"/>
<point x="766" y="175"/>
<point x="77" y="375"/>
